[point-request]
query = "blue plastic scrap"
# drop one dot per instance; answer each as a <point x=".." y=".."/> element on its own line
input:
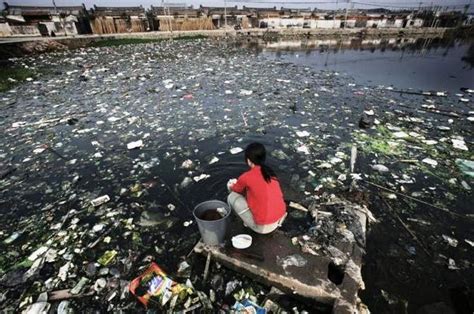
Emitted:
<point x="247" y="306"/>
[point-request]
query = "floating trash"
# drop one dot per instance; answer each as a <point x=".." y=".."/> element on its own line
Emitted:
<point x="236" y="150"/>
<point x="430" y="162"/>
<point x="380" y="168"/>
<point x="107" y="258"/>
<point x="12" y="237"/>
<point x="136" y="144"/>
<point x="303" y="133"/>
<point x="101" y="159"/>
<point x="100" y="200"/>
<point x="80" y="285"/>
<point x="246" y="92"/>
<point x="451" y="241"/>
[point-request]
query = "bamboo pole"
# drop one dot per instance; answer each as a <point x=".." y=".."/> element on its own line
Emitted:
<point x="413" y="198"/>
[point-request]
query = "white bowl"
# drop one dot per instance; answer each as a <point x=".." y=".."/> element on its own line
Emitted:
<point x="242" y="241"/>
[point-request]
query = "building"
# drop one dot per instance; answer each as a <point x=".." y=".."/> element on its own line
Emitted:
<point x="45" y="20"/>
<point x="350" y="22"/>
<point x="375" y="19"/>
<point x="110" y="20"/>
<point x="415" y="22"/>
<point x="450" y="19"/>
<point x="255" y="15"/>
<point x="280" y="22"/>
<point x="5" y="29"/>
<point x="296" y="13"/>
<point x="232" y="16"/>
<point x="178" y="19"/>
<point x="469" y="19"/>
<point x="262" y="12"/>
<point x="18" y="20"/>
<point x="394" y="21"/>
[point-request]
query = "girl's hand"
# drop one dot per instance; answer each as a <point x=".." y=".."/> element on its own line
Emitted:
<point x="230" y="183"/>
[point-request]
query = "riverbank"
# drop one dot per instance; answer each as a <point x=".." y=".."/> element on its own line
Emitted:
<point x="19" y="46"/>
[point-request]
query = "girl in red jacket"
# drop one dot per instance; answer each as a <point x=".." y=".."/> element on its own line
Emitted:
<point x="262" y="209"/>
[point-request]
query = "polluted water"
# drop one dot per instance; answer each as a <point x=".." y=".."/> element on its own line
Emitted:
<point x="213" y="214"/>
<point x="105" y="152"/>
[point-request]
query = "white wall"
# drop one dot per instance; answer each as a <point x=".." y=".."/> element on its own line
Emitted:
<point x="299" y="22"/>
<point x="325" y="23"/>
<point x="351" y="23"/>
<point x="385" y="23"/>
<point x="328" y="23"/>
<point x="5" y="30"/>
<point x="376" y="23"/>
<point x="270" y="22"/>
<point x="57" y="27"/>
<point x="292" y="22"/>
<point x="71" y="28"/>
<point x="25" y="30"/>
<point x="50" y="26"/>
<point x="398" y="23"/>
<point x="382" y="23"/>
<point x="276" y="22"/>
<point x="416" y="23"/>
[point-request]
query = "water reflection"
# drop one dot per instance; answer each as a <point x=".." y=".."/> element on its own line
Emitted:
<point x="335" y="45"/>
<point x="469" y="57"/>
<point x="430" y="63"/>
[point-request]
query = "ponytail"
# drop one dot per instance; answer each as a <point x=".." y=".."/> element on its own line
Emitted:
<point x="267" y="172"/>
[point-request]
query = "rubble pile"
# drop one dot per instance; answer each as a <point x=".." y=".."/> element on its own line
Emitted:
<point x="335" y="221"/>
<point x="41" y="46"/>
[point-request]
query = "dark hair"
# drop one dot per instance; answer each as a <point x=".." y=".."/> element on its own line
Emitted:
<point x="255" y="152"/>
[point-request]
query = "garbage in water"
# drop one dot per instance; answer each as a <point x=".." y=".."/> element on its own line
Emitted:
<point x="107" y="258"/>
<point x="155" y="287"/>
<point x="466" y="166"/>
<point x="80" y="285"/>
<point x="451" y="241"/>
<point x="100" y="200"/>
<point x="236" y="150"/>
<point x="247" y="306"/>
<point x="136" y="144"/>
<point x="130" y="140"/>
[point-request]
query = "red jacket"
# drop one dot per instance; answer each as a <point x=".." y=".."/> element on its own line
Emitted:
<point x="265" y="199"/>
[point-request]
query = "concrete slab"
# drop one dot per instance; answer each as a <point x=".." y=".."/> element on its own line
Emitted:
<point x="311" y="280"/>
